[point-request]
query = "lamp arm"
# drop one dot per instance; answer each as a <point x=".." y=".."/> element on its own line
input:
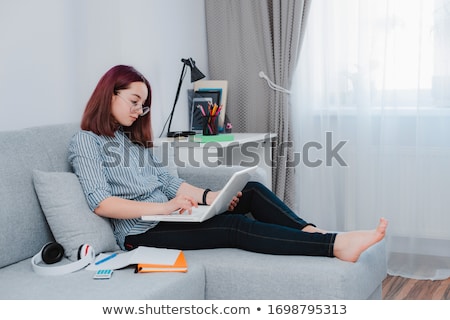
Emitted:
<point x="195" y="75"/>
<point x="183" y="74"/>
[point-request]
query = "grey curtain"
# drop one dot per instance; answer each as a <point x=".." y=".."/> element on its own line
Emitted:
<point x="244" y="38"/>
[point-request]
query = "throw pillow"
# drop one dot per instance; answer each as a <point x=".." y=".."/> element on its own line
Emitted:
<point x="68" y="215"/>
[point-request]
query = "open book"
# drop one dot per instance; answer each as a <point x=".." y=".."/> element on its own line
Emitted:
<point x="149" y="258"/>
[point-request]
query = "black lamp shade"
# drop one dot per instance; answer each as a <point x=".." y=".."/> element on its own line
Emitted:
<point x="195" y="73"/>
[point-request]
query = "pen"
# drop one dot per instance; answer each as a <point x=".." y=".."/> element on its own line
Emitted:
<point x="106" y="259"/>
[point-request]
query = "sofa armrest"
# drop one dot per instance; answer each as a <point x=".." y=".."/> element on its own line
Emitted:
<point x="215" y="178"/>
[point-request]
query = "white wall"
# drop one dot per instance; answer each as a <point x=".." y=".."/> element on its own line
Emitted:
<point x="53" y="52"/>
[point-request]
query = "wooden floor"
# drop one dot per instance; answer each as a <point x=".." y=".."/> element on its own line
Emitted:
<point x="398" y="288"/>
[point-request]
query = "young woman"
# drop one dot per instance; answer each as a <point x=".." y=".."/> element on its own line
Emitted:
<point x="122" y="181"/>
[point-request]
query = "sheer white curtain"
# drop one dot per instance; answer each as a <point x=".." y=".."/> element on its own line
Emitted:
<point x="371" y="98"/>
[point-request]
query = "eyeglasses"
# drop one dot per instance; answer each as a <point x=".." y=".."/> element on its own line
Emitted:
<point x="136" y="107"/>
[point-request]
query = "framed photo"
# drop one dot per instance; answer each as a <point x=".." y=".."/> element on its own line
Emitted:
<point x="203" y="86"/>
<point x="196" y="115"/>
<point x="214" y="94"/>
<point x="199" y="101"/>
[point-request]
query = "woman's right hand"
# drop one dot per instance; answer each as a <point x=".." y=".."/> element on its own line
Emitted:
<point x="181" y="203"/>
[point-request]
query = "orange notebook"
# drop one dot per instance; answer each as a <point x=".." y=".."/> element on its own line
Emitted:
<point x="180" y="265"/>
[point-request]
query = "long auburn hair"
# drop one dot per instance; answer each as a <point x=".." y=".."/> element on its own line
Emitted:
<point x="97" y="116"/>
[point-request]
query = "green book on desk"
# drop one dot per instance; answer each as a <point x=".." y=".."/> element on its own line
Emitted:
<point x="213" y="138"/>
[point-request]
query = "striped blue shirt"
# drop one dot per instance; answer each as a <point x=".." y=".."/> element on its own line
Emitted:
<point x="114" y="166"/>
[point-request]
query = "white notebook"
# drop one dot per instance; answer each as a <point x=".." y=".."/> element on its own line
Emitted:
<point x="236" y="183"/>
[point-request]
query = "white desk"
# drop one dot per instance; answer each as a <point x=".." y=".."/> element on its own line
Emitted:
<point x="246" y="149"/>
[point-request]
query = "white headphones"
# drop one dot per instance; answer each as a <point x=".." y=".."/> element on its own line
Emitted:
<point x="53" y="252"/>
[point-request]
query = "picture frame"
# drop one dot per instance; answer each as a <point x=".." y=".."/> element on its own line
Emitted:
<point x="196" y="117"/>
<point x="215" y="85"/>
<point x="214" y="94"/>
<point x="201" y="98"/>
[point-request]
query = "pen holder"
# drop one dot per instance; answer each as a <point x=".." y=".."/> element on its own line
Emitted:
<point x="210" y="127"/>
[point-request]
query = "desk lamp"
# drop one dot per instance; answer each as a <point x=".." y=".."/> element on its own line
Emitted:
<point x="195" y="75"/>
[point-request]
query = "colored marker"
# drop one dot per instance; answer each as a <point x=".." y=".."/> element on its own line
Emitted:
<point x="106" y="259"/>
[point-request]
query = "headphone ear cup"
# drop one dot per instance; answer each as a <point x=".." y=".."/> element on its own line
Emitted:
<point x="52" y="252"/>
<point x="85" y="250"/>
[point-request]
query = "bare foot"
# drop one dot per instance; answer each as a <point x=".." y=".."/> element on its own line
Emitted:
<point x="348" y="246"/>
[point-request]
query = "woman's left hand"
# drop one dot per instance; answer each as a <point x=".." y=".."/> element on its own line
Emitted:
<point x="234" y="202"/>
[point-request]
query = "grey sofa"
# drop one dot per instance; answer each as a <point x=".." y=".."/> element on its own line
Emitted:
<point x="213" y="274"/>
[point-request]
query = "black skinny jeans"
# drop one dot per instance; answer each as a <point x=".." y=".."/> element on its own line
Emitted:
<point x="273" y="228"/>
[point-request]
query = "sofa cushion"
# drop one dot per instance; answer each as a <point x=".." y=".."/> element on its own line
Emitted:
<point x="234" y="274"/>
<point x="22" y="223"/>
<point x="68" y="215"/>
<point x="19" y="282"/>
